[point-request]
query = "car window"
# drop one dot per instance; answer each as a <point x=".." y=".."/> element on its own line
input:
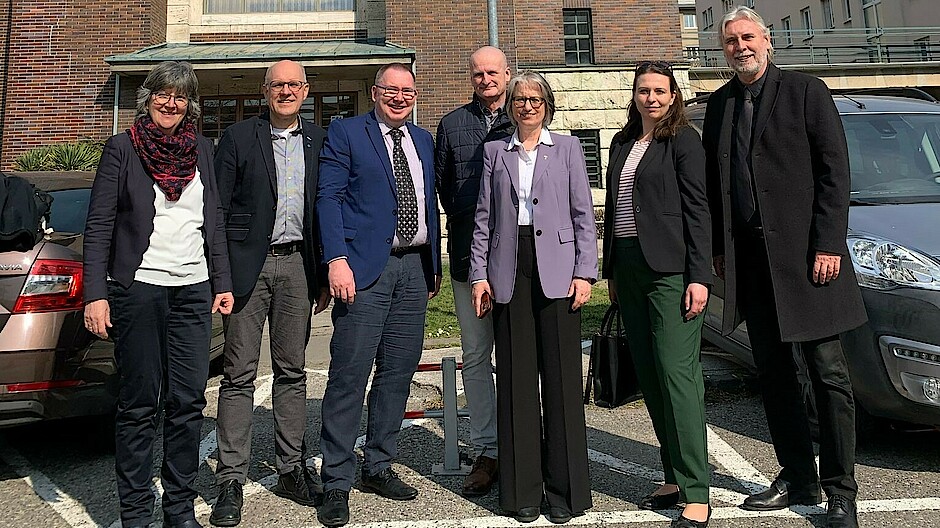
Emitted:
<point x="69" y="209"/>
<point x="894" y="158"/>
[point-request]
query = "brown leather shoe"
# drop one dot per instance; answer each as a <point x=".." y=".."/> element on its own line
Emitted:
<point x="480" y="480"/>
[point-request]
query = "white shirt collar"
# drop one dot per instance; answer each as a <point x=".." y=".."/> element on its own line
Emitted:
<point x="545" y="138"/>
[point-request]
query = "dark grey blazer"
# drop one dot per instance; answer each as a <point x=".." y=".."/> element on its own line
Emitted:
<point x="120" y="219"/>
<point x="801" y="173"/>
<point x="247" y="177"/>
<point x="670" y="205"/>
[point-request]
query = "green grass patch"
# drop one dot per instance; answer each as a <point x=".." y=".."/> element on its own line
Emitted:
<point x="441" y="322"/>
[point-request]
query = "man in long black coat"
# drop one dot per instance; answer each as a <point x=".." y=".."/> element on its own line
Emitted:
<point x="778" y="183"/>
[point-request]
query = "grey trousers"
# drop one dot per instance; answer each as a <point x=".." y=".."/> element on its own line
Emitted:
<point x="280" y="296"/>
<point x="476" y="340"/>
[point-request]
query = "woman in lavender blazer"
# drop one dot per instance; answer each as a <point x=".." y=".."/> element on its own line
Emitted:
<point x="534" y="253"/>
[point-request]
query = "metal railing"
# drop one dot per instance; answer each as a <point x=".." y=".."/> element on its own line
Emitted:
<point x="835" y="46"/>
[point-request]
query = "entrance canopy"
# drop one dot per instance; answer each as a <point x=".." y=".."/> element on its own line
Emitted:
<point x="251" y="55"/>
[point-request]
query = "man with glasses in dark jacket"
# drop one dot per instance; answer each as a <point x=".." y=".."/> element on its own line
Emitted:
<point x="458" y="164"/>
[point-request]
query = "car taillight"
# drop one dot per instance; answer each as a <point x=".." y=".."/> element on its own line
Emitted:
<point x="51" y="286"/>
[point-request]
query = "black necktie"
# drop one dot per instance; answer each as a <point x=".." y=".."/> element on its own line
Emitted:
<point x="407" y="202"/>
<point x="743" y="193"/>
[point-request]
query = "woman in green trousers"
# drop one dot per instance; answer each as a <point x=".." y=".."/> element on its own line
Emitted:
<point x="657" y="259"/>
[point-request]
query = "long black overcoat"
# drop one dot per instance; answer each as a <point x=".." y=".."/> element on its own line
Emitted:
<point x="801" y="174"/>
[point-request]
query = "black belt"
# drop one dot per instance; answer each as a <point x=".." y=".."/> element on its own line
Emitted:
<point x="281" y="250"/>
<point x="407" y="250"/>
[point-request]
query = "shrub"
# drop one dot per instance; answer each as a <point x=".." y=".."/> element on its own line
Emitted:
<point x="36" y="159"/>
<point x="80" y="156"/>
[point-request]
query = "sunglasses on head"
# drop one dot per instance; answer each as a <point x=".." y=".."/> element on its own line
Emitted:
<point x="660" y="65"/>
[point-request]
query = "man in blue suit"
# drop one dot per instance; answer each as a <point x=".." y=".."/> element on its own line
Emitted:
<point x="381" y="241"/>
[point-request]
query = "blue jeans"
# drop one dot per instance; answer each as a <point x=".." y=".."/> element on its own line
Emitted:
<point x="384" y="327"/>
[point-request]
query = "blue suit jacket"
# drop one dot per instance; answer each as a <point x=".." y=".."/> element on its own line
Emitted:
<point x="357" y="197"/>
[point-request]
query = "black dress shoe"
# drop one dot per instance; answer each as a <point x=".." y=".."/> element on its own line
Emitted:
<point x="781" y="494"/>
<point x="840" y="513"/>
<point x="387" y="484"/>
<point x="188" y="523"/>
<point x="228" y="505"/>
<point x="527" y="515"/>
<point x="663" y="501"/>
<point x="293" y="486"/>
<point x="685" y="522"/>
<point x="559" y="515"/>
<point x="335" y="508"/>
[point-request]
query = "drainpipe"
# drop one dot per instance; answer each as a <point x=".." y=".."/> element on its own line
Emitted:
<point x="117" y="100"/>
<point x="491" y="22"/>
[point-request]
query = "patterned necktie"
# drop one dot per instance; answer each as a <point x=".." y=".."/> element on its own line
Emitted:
<point x="742" y="186"/>
<point x="407" y="202"/>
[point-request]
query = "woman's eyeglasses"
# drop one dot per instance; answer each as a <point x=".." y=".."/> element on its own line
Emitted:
<point x="534" y="102"/>
<point x="164" y="98"/>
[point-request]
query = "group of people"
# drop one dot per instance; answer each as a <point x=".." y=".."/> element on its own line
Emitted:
<point x="284" y="218"/>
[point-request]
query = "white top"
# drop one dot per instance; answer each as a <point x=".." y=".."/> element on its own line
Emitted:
<point x="176" y="255"/>
<point x="417" y="177"/>
<point x="624" y="218"/>
<point x="527" y="172"/>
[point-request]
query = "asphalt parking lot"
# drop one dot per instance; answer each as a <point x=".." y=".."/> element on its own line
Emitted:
<point x="61" y="474"/>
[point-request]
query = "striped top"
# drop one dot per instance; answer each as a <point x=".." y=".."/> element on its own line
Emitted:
<point x="624" y="220"/>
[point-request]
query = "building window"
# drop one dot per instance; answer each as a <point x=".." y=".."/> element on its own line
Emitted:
<point x="870" y="12"/>
<point x="217" y="7"/>
<point x="749" y="3"/>
<point x="707" y="18"/>
<point x="923" y="48"/>
<point x="220" y="112"/>
<point x="579" y="46"/>
<point x="787" y="31"/>
<point x="591" y="143"/>
<point x="807" y="17"/>
<point x="773" y="35"/>
<point x="829" y="19"/>
<point x="847" y="9"/>
<point x="688" y="22"/>
<point x="727" y="5"/>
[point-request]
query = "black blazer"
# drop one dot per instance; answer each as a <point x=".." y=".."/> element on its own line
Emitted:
<point x="801" y="174"/>
<point x="120" y="219"/>
<point x="669" y="202"/>
<point x="247" y="176"/>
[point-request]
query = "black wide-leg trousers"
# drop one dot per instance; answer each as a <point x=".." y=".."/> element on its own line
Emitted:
<point x="541" y="433"/>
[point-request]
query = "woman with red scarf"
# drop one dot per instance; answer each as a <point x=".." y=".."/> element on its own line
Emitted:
<point x="156" y="268"/>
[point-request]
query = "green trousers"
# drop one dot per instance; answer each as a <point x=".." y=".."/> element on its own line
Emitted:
<point x="665" y="349"/>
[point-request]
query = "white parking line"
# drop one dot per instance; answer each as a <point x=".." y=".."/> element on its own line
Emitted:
<point x="753" y="480"/>
<point x="71" y="511"/>
<point x="645" y="517"/>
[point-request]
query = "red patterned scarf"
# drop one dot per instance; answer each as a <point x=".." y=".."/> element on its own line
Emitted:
<point x="169" y="160"/>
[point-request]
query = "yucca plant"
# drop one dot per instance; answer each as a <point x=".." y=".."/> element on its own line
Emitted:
<point x="36" y="159"/>
<point x="75" y="156"/>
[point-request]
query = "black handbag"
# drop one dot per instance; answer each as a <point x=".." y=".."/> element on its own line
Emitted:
<point x="611" y="372"/>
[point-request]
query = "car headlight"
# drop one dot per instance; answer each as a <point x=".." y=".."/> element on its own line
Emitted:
<point x="882" y="264"/>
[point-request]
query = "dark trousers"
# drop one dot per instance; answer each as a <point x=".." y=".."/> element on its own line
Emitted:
<point x="280" y="296"/>
<point x="781" y="390"/>
<point x="665" y="349"/>
<point x="541" y="434"/>
<point x="161" y="338"/>
<point x="383" y="327"/>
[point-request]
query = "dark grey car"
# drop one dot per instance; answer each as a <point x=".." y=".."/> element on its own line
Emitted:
<point x="894" y="245"/>
<point x="50" y="365"/>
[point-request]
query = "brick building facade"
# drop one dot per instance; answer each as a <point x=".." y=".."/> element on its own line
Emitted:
<point x="65" y="58"/>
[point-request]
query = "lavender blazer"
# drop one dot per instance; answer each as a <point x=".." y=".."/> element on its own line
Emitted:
<point x="562" y="217"/>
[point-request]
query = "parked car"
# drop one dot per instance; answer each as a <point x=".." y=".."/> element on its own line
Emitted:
<point x="894" y="247"/>
<point x="50" y="365"/>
